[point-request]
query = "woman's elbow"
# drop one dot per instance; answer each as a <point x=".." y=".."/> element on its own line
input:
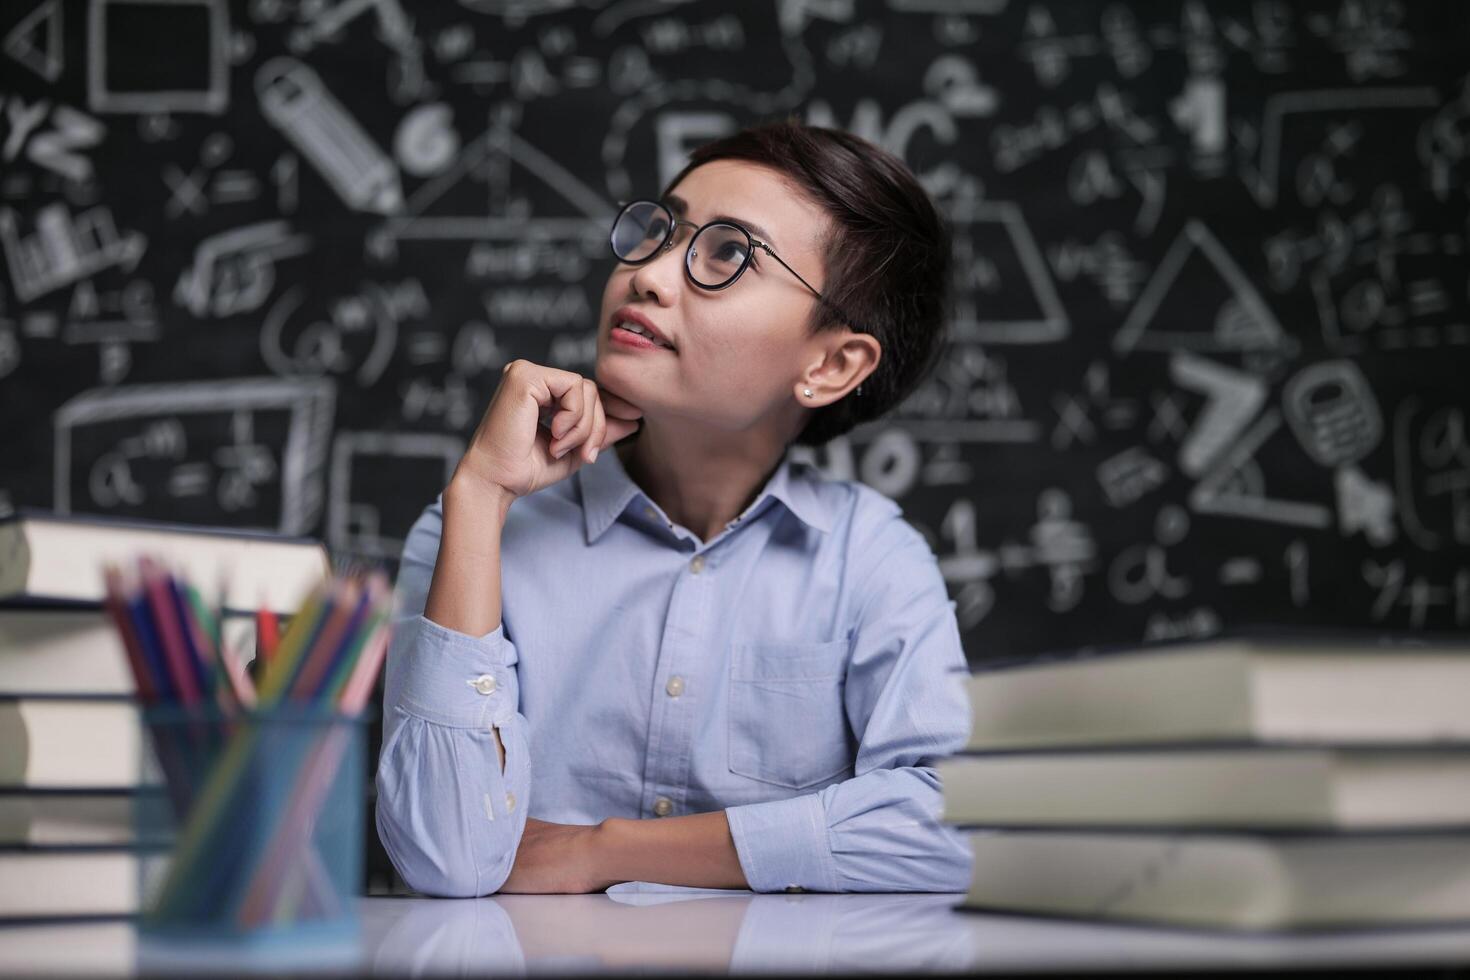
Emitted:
<point x="437" y="865"/>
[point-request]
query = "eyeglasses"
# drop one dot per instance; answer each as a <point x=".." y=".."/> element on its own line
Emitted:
<point x="717" y="254"/>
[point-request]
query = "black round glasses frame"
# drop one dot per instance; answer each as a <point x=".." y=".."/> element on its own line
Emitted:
<point x="668" y="243"/>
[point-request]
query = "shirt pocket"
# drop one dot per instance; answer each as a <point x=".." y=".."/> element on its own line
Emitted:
<point x="787" y="722"/>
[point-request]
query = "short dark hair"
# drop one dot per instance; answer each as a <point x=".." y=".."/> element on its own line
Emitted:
<point x="887" y="260"/>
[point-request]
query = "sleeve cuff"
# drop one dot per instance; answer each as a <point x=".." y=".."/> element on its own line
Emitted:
<point x="782" y="844"/>
<point x="458" y="680"/>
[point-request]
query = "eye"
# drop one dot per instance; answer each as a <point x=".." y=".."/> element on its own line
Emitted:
<point x="730" y="251"/>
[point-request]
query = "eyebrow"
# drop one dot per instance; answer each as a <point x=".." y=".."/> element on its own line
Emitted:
<point x="681" y="208"/>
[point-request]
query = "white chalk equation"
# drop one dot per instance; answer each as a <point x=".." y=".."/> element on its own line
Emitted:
<point x="254" y="449"/>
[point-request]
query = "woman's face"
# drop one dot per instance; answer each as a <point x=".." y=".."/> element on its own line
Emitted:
<point x="740" y="353"/>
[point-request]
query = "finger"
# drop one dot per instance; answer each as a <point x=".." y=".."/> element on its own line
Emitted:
<point x="546" y="389"/>
<point x="618" y="429"/>
<point x="549" y="385"/>
<point x="599" y="428"/>
<point x="573" y="407"/>
<point x="581" y="427"/>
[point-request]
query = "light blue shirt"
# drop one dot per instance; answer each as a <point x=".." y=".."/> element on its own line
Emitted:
<point x="800" y="671"/>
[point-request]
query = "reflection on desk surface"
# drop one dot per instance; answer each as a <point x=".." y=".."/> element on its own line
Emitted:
<point x="700" y="929"/>
<point x="637" y="925"/>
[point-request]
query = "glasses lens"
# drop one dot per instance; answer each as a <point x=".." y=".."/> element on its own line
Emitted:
<point x="717" y="254"/>
<point x="639" y="229"/>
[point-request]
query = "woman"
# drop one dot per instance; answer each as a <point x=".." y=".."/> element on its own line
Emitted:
<point x="714" y="667"/>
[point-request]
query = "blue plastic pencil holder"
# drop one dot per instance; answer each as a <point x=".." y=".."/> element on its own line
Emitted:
<point x="256" y="836"/>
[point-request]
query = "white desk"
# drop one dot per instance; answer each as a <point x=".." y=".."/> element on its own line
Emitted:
<point x="636" y="927"/>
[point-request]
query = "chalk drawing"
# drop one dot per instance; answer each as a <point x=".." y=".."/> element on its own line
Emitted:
<point x="296" y="102"/>
<point x="1236" y="320"/>
<point x="65" y="248"/>
<point x="1351" y="102"/>
<point x="1235" y="485"/>
<point x="354" y="522"/>
<point x="1333" y="412"/>
<point x="109" y="20"/>
<point x="1232" y="400"/>
<point x="163" y="408"/>
<point x="234" y="271"/>
<point x="35" y="41"/>
<point x="1004" y="291"/>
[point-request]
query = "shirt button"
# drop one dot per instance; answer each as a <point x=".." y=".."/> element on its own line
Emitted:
<point x="650" y="513"/>
<point x="696" y="565"/>
<point x="485" y="684"/>
<point x="795" y="888"/>
<point x="675" y="686"/>
<point x="663" y="806"/>
<point x="510" y="801"/>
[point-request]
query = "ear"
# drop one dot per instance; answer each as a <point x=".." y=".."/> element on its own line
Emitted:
<point x="846" y="358"/>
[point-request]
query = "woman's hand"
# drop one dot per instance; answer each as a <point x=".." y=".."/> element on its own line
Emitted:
<point x="542" y="424"/>
<point x="556" y="858"/>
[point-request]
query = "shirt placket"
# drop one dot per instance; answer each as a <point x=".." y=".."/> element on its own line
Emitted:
<point x="678" y="677"/>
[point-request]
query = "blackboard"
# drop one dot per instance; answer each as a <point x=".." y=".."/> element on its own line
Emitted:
<point x="1209" y="351"/>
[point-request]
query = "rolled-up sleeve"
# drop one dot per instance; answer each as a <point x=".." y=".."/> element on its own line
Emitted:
<point x="447" y="815"/>
<point x="880" y="830"/>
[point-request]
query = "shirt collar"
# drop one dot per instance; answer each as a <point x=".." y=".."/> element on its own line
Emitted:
<point x="607" y="489"/>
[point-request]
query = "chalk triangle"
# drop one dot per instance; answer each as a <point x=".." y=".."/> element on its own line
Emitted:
<point x="1199" y="299"/>
<point x="24" y="42"/>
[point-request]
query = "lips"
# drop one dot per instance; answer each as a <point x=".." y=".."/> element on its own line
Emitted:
<point x="630" y="315"/>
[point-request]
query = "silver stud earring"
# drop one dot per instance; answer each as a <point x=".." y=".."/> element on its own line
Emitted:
<point x="808" y="392"/>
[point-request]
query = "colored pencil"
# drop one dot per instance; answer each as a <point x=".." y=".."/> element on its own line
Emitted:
<point x="267" y="635"/>
<point x="132" y="645"/>
<point x="327" y="659"/>
<point x="313" y="785"/>
<point x="196" y="645"/>
<point x="165" y="618"/>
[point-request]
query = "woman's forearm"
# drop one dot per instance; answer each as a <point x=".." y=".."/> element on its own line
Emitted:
<point x="696" y="851"/>
<point x="464" y="593"/>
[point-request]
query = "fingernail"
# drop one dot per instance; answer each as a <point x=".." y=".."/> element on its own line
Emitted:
<point x="560" y="453"/>
<point x="594" y="454"/>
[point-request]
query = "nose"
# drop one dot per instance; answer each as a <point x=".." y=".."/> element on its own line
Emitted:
<point x="660" y="277"/>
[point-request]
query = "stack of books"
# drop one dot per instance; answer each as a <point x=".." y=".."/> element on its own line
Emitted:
<point x="1247" y="783"/>
<point x="72" y="754"/>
